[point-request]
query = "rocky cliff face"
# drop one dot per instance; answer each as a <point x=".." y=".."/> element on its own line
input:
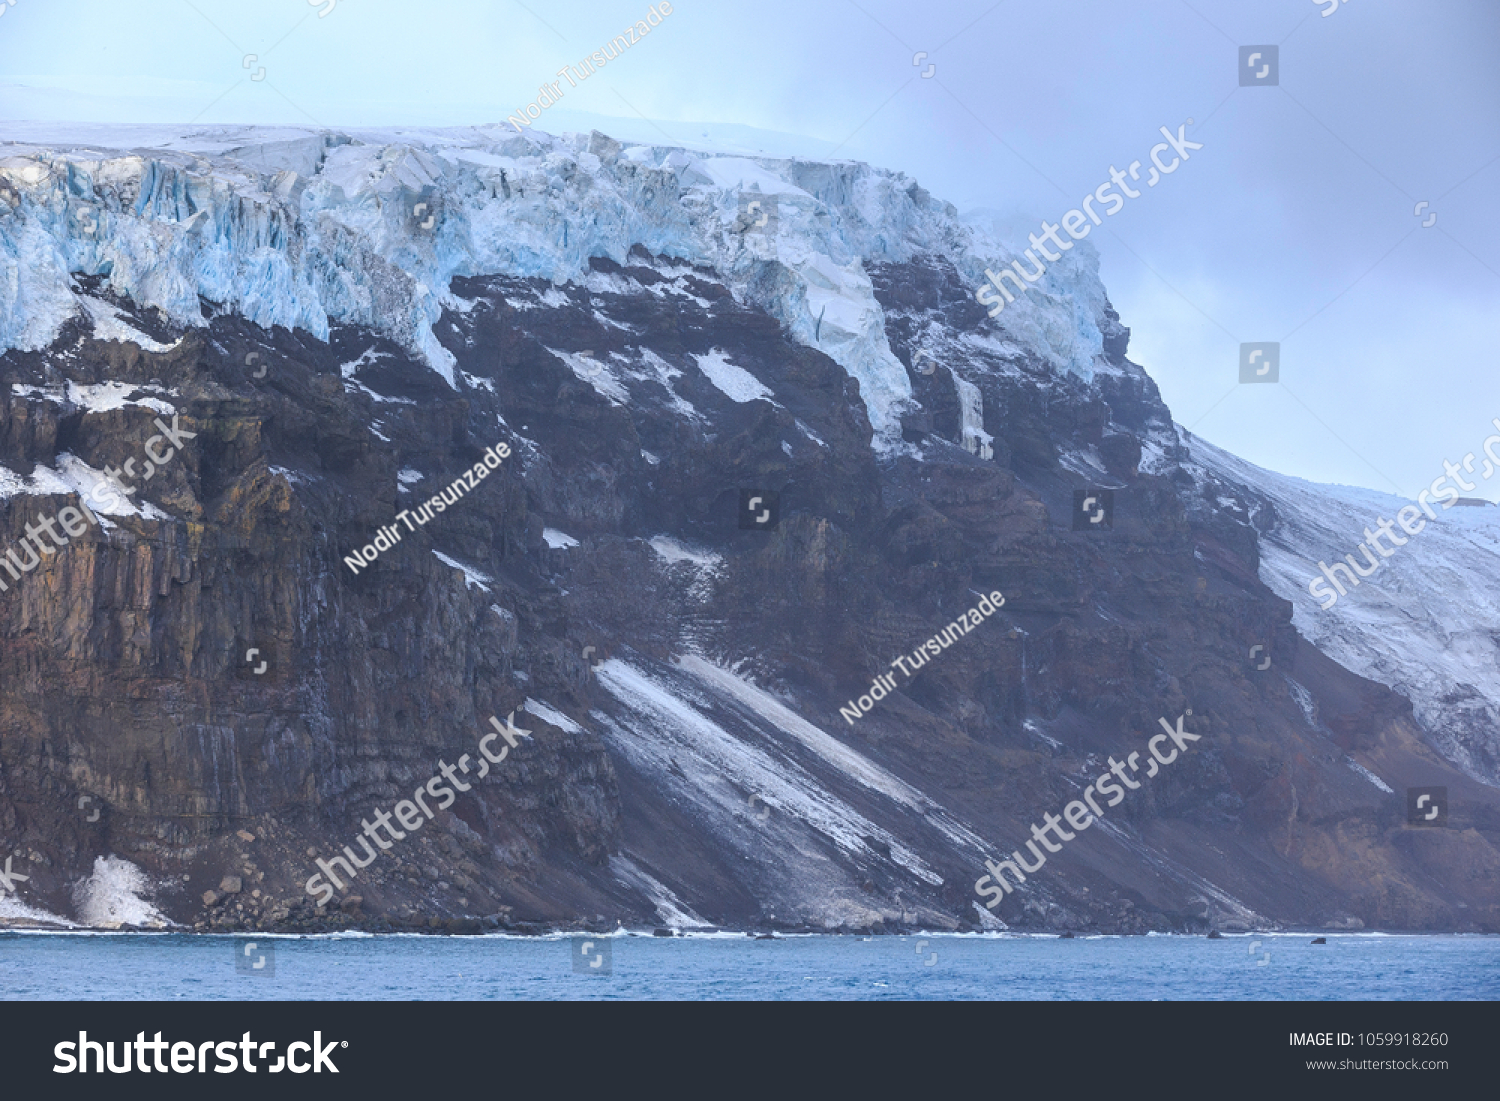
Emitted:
<point x="652" y="357"/>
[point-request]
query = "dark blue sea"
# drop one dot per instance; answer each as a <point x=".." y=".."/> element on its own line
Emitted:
<point x="118" y="966"/>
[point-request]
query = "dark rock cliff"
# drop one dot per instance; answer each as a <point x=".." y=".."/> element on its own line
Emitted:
<point x="680" y="677"/>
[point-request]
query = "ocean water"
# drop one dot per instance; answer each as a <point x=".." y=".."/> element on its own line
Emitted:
<point x="109" y="966"/>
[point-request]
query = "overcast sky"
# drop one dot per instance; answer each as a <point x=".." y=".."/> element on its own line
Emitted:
<point x="1294" y="223"/>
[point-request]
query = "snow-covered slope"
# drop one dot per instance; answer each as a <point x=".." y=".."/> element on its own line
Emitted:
<point x="303" y="228"/>
<point x="1426" y="623"/>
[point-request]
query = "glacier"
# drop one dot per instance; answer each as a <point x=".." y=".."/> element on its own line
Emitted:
<point x="1423" y="624"/>
<point x="306" y="228"/>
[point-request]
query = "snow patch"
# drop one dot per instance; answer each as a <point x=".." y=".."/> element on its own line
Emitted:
<point x="74" y="476"/>
<point x="558" y="540"/>
<point x="355" y="384"/>
<point x="597" y="373"/>
<point x="471" y="575"/>
<point x="110" y="324"/>
<point x="21" y="391"/>
<point x="663" y="372"/>
<point x="667" y="732"/>
<point x="367" y="357"/>
<point x="736" y="382"/>
<point x="848" y="761"/>
<point x="1370" y="776"/>
<point x="105" y="396"/>
<point x="552" y="715"/>
<point x="810" y="434"/>
<point x="830" y="749"/>
<point x="1306" y="702"/>
<point x="674" y="552"/>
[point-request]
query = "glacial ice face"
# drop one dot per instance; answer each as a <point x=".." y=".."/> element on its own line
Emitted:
<point x="1060" y="317"/>
<point x="302" y="229"/>
<point x="971" y="428"/>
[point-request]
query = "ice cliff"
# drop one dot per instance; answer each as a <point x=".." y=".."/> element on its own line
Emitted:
<point x="304" y="229"/>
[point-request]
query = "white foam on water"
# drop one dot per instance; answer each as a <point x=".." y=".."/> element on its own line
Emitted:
<point x="14" y="912"/>
<point x="115" y="895"/>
